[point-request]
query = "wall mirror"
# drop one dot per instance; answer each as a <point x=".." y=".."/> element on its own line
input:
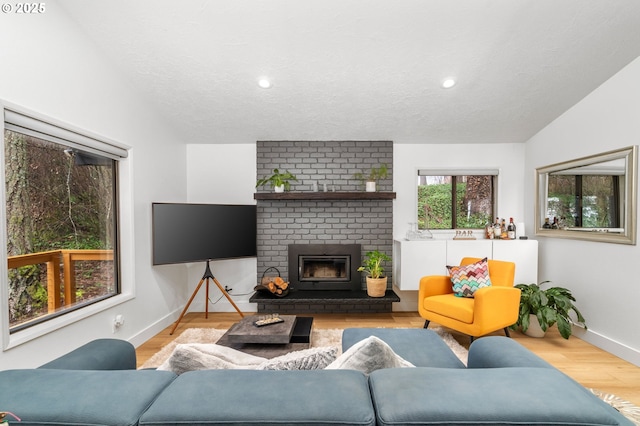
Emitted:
<point x="591" y="198"/>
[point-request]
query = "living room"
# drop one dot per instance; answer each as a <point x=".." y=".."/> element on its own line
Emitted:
<point x="59" y="72"/>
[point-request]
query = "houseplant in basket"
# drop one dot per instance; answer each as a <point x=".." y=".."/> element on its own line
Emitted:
<point x="546" y="308"/>
<point x="376" y="280"/>
<point x="279" y="181"/>
<point x="371" y="179"/>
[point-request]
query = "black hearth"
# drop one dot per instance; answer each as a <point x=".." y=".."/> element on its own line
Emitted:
<point x="324" y="278"/>
<point x="324" y="266"/>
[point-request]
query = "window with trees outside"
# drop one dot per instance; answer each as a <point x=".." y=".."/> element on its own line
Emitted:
<point x="456" y="200"/>
<point x="61" y="220"/>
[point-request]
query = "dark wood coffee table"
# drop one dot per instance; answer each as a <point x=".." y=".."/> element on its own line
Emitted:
<point x="269" y="341"/>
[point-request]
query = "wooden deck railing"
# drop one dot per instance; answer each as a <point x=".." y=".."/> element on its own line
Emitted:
<point x="53" y="259"/>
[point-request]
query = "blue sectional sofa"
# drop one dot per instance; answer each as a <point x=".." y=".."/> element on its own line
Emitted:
<point x="503" y="384"/>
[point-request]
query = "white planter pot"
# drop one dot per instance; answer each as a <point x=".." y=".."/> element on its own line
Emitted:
<point x="534" y="329"/>
<point x="279" y="188"/>
<point x="370" y="187"/>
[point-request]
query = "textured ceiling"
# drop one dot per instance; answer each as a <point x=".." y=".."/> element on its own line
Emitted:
<point x="362" y="69"/>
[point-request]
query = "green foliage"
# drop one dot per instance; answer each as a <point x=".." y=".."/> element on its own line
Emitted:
<point x="39" y="296"/>
<point x="375" y="174"/>
<point x="373" y="264"/>
<point x="278" y="178"/>
<point x="550" y="306"/>
<point x="436" y="200"/>
<point x="84" y="241"/>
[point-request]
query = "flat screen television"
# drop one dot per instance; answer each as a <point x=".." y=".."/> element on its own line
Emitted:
<point x="184" y="233"/>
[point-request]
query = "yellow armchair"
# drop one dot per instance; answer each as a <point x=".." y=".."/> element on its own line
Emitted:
<point x="491" y="308"/>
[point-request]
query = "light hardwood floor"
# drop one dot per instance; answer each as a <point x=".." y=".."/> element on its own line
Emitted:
<point x="585" y="363"/>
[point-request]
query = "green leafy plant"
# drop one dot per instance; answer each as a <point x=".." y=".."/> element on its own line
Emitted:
<point x="277" y="179"/>
<point x="550" y="306"/>
<point x="374" y="175"/>
<point x="373" y="264"/>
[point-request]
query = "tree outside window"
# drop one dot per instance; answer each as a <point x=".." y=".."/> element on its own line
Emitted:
<point x="61" y="215"/>
<point x="455" y="201"/>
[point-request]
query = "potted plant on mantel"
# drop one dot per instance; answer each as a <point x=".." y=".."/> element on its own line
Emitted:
<point x="376" y="281"/>
<point x="541" y="309"/>
<point x="279" y="181"/>
<point x="375" y="174"/>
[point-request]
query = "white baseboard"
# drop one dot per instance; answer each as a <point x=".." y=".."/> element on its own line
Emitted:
<point x="155" y="328"/>
<point x="615" y="348"/>
<point x="164" y="322"/>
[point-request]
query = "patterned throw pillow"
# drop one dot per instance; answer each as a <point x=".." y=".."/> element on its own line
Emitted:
<point x="306" y="359"/>
<point x="469" y="278"/>
<point x="368" y="355"/>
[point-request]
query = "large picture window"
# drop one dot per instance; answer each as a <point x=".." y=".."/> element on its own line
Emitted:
<point x="455" y="200"/>
<point x="61" y="220"/>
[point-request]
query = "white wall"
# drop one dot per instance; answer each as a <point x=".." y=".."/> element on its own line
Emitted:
<point x="600" y="275"/>
<point x="408" y="158"/>
<point x="223" y="174"/>
<point x="49" y="69"/>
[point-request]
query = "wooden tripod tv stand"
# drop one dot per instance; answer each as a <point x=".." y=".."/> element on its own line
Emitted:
<point x="208" y="275"/>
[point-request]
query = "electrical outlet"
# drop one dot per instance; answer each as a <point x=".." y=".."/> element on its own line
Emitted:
<point x="118" y="321"/>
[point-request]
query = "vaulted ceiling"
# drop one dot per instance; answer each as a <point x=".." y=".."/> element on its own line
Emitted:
<point x="362" y="69"/>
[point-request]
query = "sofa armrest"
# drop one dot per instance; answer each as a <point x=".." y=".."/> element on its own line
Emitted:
<point x="100" y="354"/>
<point x="500" y="352"/>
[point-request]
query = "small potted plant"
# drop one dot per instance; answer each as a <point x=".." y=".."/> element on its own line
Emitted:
<point x="376" y="280"/>
<point x="279" y="181"/>
<point x="375" y="174"/>
<point x="541" y="309"/>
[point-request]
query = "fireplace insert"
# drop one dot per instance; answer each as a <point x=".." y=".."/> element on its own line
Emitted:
<point x="324" y="266"/>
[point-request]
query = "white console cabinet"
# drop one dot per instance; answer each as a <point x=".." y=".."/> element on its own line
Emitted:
<point x="413" y="260"/>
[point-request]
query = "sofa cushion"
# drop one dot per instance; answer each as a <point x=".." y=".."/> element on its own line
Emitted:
<point x="451" y="306"/>
<point x="80" y="397"/>
<point x="420" y="347"/>
<point x="251" y="397"/>
<point x="368" y="355"/>
<point x="99" y="354"/>
<point x="506" y="396"/>
<point x="467" y="279"/>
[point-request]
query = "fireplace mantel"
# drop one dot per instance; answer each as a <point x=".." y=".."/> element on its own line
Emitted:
<point x="352" y="195"/>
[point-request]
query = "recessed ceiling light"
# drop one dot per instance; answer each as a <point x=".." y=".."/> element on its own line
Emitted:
<point x="448" y="83"/>
<point x="264" y="83"/>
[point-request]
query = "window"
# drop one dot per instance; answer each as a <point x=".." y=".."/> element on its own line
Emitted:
<point x="458" y="200"/>
<point x="584" y="201"/>
<point x="61" y="220"/>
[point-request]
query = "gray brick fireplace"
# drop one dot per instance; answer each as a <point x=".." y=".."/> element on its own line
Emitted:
<point x="281" y="222"/>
